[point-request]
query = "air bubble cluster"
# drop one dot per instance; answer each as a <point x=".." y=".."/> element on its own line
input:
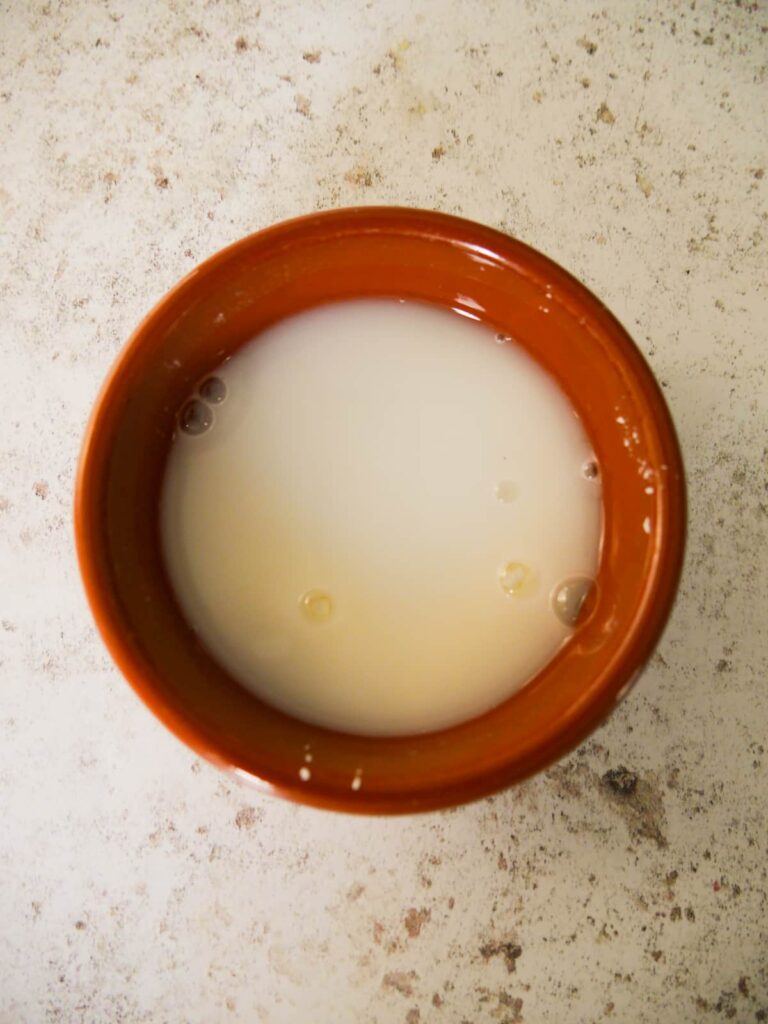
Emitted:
<point x="196" y="416"/>
<point x="517" y="579"/>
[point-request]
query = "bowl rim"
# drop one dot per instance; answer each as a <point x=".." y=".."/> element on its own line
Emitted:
<point x="653" y="615"/>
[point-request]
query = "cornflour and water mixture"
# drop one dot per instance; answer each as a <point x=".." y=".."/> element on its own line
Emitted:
<point x="381" y="516"/>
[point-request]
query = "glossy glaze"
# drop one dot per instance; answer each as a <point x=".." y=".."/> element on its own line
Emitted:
<point x="409" y="254"/>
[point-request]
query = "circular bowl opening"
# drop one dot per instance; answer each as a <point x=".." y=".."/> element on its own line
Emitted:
<point x="407" y="254"/>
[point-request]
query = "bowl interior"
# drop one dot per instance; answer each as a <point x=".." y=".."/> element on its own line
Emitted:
<point x="404" y="254"/>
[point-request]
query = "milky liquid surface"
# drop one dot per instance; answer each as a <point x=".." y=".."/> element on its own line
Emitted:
<point x="371" y="531"/>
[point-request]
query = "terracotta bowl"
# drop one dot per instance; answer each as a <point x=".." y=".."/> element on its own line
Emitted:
<point x="410" y="254"/>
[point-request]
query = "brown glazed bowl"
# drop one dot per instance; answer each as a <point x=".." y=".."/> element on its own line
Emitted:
<point x="411" y="254"/>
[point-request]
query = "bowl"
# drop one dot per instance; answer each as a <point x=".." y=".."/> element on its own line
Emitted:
<point x="408" y="254"/>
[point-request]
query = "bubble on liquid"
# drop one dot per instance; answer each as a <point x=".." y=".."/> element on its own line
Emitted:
<point x="568" y="599"/>
<point x="515" y="578"/>
<point x="357" y="781"/>
<point x="317" y="605"/>
<point x="195" y="417"/>
<point x="590" y="470"/>
<point x="213" y="390"/>
<point x="502" y="339"/>
<point x="507" y="490"/>
<point x="305" y="774"/>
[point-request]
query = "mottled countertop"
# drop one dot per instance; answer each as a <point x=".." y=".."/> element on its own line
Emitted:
<point x="626" y="140"/>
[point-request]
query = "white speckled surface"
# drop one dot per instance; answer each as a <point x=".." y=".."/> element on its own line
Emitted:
<point x="628" y="142"/>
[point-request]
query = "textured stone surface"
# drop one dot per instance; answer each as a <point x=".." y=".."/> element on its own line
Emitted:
<point x="628" y="142"/>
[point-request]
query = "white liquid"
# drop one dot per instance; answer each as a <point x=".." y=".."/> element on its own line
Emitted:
<point x="370" y="534"/>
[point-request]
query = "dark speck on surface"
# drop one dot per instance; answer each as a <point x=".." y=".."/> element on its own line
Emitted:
<point x="638" y="800"/>
<point x="246" y="817"/>
<point x="415" y="921"/>
<point x="400" y="981"/>
<point x="620" y="780"/>
<point x="588" y="45"/>
<point x="510" y="951"/>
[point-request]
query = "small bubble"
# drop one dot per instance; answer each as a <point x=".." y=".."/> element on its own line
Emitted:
<point x="305" y="774"/>
<point x="590" y="469"/>
<point x="514" y="578"/>
<point x="647" y="525"/>
<point x="195" y="417"/>
<point x="502" y="339"/>
<point x="506" y="490"/>
<point x="358" y="779"/>
<point x="213" y="390"/>
<point x="317" y="605"/>
<point x="568" y="599"/>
